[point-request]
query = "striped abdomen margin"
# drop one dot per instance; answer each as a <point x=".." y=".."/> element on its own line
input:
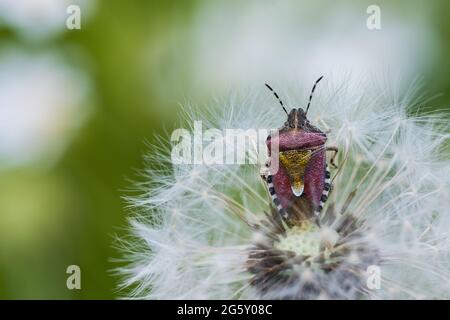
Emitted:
<point x="323" y="198"/>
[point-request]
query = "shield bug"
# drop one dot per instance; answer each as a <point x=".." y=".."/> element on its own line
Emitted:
<point x="302" y="182"/>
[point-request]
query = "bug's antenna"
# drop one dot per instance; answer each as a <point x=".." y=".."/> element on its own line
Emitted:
<point x="278" y="98"/>
<point x="312" y="91"/>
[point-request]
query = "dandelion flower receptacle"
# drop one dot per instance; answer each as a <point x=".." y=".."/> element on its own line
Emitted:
<point x="378" y="227"/>
<point x="312" y="262"/>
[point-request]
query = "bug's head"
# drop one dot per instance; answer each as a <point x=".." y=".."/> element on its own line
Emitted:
<point x="296" y="119"/>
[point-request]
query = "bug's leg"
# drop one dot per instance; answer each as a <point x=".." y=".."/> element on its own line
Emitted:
<point x="335" y="150"/>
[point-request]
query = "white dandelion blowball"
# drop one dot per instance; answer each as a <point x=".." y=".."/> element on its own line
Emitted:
<point x="214" y="229"/>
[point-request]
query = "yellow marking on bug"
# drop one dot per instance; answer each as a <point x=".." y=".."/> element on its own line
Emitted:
<point x="295" y="162"/>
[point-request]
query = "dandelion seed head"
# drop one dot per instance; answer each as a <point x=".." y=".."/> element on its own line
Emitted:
<point x="209" y="231"/>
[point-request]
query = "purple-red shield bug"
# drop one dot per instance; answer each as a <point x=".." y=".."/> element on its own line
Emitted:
<point x="302" y="182"/>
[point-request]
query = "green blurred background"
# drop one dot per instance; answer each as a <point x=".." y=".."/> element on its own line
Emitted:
<point x="77" y="106"/>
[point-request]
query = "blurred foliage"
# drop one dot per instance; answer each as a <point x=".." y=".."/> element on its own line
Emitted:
<point x="69" y="212"/>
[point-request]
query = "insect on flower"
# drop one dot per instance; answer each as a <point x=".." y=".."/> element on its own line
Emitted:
<point x="302" y="183"/>
<point x="297" y="255"/>
<point x="213" y="232"/>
